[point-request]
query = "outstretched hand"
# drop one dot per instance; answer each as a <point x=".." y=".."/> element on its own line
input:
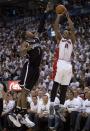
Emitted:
<point x="68" y="18"/>
<point x="66" y="13"/>
<point x="49" y="7"/>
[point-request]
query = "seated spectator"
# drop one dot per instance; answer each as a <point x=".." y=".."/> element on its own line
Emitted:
<point x="77" y="96"/>
<point x="43" y="112"/>
<point x="84" y="116"/>
<point x="32" y="111"/>
<point x="8" y="107"/>
<point x="40" y="96"/>
<point x="30" y="95"/>
<point x="72" y="106"/>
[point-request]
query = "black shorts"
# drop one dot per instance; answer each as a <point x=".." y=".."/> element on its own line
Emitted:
<point x="29" y="76"/>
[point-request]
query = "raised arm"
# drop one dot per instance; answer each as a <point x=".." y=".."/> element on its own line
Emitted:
<point x="41" y="27"/>
<point x="71" y="28"/>
<point x="57" y="28"/>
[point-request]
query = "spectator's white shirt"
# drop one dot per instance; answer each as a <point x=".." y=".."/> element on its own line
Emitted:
<point x="57" y="101"/>
<point x="86" y="106"/>
<point x="39" y="100"/>
<point x="46" y="71"/>
<point x="42" y="73"/>
<point x="44" y="108"/>
<point x="80" y="99"/>
<point x="44" y="58"/>
<point x="75" y="84"/>
<point x="10" y="105"/>
<point x="73" y="105"/>
<point x="33" y="107"/>
<point x="50" y="85"/>
<point x="46" y="80"/>
<point x="87" y="74"/>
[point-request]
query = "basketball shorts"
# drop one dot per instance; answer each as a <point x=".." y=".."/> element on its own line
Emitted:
<point x="29" y="76"/>
<point x="63" y="72"/>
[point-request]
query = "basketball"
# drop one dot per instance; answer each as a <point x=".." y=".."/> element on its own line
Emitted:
<point x="60" y="9"/>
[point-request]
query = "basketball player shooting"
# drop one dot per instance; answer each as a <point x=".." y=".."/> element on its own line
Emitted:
<point x="66" y="40"/>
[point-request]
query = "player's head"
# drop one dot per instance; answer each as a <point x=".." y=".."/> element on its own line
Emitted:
<point x="29" y="34"/>
<point x="66" y="34"/>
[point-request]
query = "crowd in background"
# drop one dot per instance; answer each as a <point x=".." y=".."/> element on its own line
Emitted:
<point x="75" y="2"/>
<point x="76" y="111"/>
<point x="11" y="61"/>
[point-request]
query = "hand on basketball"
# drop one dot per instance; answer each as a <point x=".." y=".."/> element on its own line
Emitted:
<point x="60" y="9"/>
<point x="60" y="15"/>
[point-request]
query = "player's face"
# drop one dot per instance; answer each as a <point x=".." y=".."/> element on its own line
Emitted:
<point x="66" y="34"/>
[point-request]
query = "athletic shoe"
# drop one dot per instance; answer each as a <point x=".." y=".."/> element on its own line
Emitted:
<point x="15" y="121"/>
<point x="18" y="116"/>
<point x="29" y="123"/>
<point x="22" y="121"/>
